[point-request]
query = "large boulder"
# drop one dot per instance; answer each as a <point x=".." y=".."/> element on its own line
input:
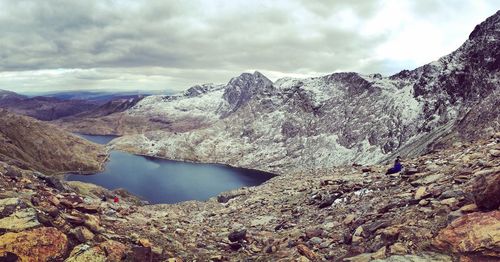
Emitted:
<point x="476" y="234"/>
<point x="486" y="191"/>
<point x="40" y="244"/>
<point x="20" y="220"/>
<point x="111" y="251"/>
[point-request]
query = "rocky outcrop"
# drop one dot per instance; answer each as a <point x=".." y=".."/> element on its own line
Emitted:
<point x="29" y="143"/>
<point x="198" y="90"/>
<point x="42" y="244"/>
<point x="475" y="235"/>
<point x="71" y="223"/>
<point x="486" y="189"/>
<point x="354" y="213"/>
<point x="241" y="89"/>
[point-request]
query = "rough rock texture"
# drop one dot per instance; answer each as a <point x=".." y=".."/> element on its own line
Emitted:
<point x="43" y="223"/>
<point x="292" y="216"/>
<point x="342" y="118"/>
<point x="349" y="213"/>
<point x="487" y="190"/>
<point x="41" y="244"/>
<point x="20" y="220"/>
<point x="33" y="144"/>
<point x="476" y="234"/>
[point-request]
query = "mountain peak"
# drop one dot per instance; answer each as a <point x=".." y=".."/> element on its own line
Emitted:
<point x="241" y="89"/>
<point x="491" y="26"/>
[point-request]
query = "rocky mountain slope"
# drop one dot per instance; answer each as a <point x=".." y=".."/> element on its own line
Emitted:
<point x="445" y="207"/>
<point x="300" y="124"/>
<point x="32" y="144"/>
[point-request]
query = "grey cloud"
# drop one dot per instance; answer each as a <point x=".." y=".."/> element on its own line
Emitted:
<point x="188" y="42"/>
<point x="83" y="34"/>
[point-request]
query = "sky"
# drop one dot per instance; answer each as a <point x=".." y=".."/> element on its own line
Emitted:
<point x="165" y="45"/>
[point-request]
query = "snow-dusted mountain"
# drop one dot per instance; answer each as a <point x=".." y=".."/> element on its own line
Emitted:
<point x="336" y="119"/>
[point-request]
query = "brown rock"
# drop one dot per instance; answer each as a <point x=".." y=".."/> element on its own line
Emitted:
<point x="380" y="254"/>
<point x="115" y="250"/>
<point x="451" y="202"/>
<point x="349" y="219"/>
<point x="87" y="208"/>
<point x="82" y="234"/>
<point x="20" y="220"/>
<point x="41" y="244"/>
<point x="391" y="233"/>
<point x="84" y="253"/>
<point x="314" y="232"/>
<point x="398" y="249"/>
<point x="365" y="257"/>
<point x="67" y="203"/>
<point x="93" y="223"/>
<point x="475" y="233"/>
<point x="357" y="236"/>
<point x="54" y="200"/>
<point x="303" y="259"/>
<point x="469" y="208"/>
<point x="144" y="242"/>
<point x="74" y="219"/>
<point x="486" y="191"/>
<point x="305" y="251"/>
<point x="495" y="152"/>
<point x="49" y="209"/>
<point x="423" y="202"/>
<point x="420" y="193"/>
<point x="237" y="235"/>
<point x="139" y="254"/>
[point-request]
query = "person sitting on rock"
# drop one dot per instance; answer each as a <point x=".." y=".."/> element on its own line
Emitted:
<point x="396" y="168"/>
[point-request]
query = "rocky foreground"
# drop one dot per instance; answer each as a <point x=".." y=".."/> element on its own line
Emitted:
<point x="444" y="207"/>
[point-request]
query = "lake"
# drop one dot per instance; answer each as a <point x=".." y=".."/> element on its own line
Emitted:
<point x="166" y="181"/>
<point x="97" y="139"/>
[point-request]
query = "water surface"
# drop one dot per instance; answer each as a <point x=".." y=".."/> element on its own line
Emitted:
<point x="166" y="181"/>
<point x="97" y="139"/>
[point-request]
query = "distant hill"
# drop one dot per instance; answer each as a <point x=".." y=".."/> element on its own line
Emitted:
<point x="65" y="104"/>
<point x="95" y="96"/>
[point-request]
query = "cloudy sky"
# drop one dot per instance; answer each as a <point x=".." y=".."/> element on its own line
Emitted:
<point x="172" y="45"/>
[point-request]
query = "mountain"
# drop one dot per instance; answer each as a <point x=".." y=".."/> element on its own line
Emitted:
<point x="342" y="118"/>
<point x="9" y="96"/>
<point x="31" y="144"/>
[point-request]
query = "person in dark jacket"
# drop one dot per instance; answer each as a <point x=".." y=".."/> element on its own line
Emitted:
<point x="396" y="168"/>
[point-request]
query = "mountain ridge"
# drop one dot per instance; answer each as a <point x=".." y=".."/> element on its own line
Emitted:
<point x="362" y="118"/>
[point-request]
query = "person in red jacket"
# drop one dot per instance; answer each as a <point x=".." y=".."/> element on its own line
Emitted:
<point x="116" y="199"/>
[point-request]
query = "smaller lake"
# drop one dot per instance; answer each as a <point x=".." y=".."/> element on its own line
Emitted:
<point x="166" y="181"/>
<point x="97" y="139"/>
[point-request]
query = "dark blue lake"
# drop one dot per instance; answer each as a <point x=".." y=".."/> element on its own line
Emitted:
<point x="166" y="181"/>
<point x="98" y="139"/>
